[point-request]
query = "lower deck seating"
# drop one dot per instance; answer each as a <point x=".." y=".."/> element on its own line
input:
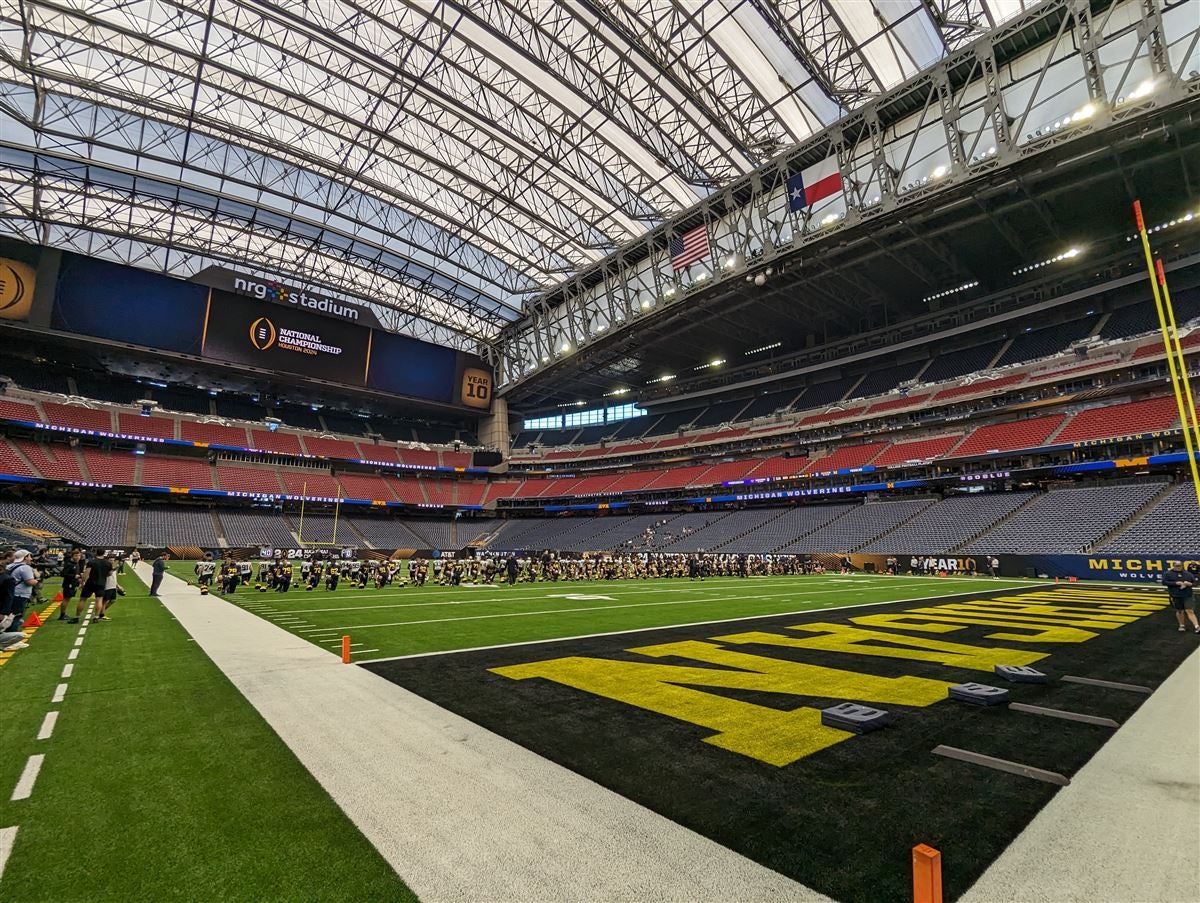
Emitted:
<point x="858" y="526"/>
<point x="1066" y="520"/>
<point x="97" y="524"/>
<point x="176" y="526"/>
<point x="1172" y="527"/>
<point x="948" y="524"/>
<point x="256" y="528"/>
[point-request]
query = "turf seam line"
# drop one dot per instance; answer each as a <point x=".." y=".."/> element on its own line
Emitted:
<point x="588" y="636"/>
<point x="47" y="728"/>
<point x="29" y="776"/>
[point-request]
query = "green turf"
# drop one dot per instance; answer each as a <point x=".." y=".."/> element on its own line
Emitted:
<point x="408" y="620"/>
<point x="161" y="782"/>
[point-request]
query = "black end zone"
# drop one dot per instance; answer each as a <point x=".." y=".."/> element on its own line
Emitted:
<point x="842" y="816"/>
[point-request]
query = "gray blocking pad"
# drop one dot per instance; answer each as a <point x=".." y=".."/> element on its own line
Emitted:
<point x="1005" y="765"/>
<point x="852" y="716"/>
<point x="1059" y="713"/>
<point x="1021" y="674"/>
<point x="1107" y="684"/>
<point x="979" y="694"/>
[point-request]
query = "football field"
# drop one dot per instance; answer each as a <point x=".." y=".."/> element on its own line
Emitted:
<point x="412" y="620"/>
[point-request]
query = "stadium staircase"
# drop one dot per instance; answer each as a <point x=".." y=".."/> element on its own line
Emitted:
<point x="83" y="464"/>
<point x="219" y="529"/>
<point x="1134" y="517"/>
<point x="1000" y="523"/>
<point x="132" y="524"/>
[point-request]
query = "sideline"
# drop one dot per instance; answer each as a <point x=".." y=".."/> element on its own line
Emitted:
<point x="458" y="812"/>
<point x="1128" y="827"/>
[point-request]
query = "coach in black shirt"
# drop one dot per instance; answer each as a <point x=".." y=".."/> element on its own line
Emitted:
<point x="70" y="586"/>
<point x="1179" y="585"/>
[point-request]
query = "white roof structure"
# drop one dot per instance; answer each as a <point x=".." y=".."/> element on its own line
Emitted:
<point x="447" y="160"/>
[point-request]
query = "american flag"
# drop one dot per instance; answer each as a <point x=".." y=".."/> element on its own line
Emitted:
<point x="686" y="249"/>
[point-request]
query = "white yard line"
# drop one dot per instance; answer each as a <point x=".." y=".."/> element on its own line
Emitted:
<point x="588" y="636"/>
<point x="29" y="776"/>
<point x="459" y="812"/>
<point x="59" y="692"/>
<point x="67" y="671"/>
<point x="47" y="727"/>
<point x="567" y="611"/>
<point x="8" y="838"/>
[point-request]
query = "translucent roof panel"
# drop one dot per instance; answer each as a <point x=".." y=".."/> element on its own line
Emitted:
<point x="448" y="159"/>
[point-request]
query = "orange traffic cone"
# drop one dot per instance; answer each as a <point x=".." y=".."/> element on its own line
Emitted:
<point x="58" y="597"/>
<point x="33" y="620"/>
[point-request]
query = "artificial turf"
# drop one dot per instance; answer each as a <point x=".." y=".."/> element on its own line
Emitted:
<point x="161" y="782"/>
<point x="843" y="819"/>
<point x="410" y="620"/>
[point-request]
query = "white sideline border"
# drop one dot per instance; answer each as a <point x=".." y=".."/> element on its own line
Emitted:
<point x="458" y="812"/>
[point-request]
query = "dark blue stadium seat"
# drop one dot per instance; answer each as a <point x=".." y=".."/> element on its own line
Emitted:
<point x="952" y="364"/>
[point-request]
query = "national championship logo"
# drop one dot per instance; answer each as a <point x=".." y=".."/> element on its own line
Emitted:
<point x="262" y="333"/>
<point x="16" y="289"/>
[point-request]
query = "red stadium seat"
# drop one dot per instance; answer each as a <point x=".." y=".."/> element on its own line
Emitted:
<point x="56" y="461"/>
<point x="1013" y="436"/>
<point x="218" y="433"/>
<point x="78" y="417"/>
<point x="151" y="427"/>
<point x="1146" y="416"/>
<point x="260" y="480"/>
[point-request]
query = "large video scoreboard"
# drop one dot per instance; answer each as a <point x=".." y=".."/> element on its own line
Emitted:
<point x="109" y="301"/>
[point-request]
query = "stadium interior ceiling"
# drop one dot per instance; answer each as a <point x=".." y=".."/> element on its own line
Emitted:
<point x="448" y="160"/>
<point x="453" y="165"/>
<point x="882" y="274"/>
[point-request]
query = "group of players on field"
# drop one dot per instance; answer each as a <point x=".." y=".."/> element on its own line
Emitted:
<point x="281" y="575"/>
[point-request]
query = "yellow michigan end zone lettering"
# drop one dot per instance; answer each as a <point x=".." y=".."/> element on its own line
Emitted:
<point x="854" y="640"/>
<point x="775" y="736"/>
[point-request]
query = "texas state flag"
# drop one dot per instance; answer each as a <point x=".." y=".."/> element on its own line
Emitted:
<point x="814" y="184"/>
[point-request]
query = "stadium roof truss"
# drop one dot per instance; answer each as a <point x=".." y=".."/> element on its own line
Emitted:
<point x="448" y="161"/>
<point x="1047" y="76"/>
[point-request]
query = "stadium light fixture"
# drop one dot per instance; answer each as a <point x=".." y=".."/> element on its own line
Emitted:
<point x="1145" y="89"/>
<point x="951" y="291"/>
<point x="939" y="172"/>
<point x="1068" y="254"/>
<point x="1178" y="221"/>
<point x="762" y="348"/>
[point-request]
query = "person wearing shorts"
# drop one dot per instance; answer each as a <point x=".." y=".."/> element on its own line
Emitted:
<point x="111" y="589"/>
<point x="1179" y="585"/>
<point x="92" y="582"/>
